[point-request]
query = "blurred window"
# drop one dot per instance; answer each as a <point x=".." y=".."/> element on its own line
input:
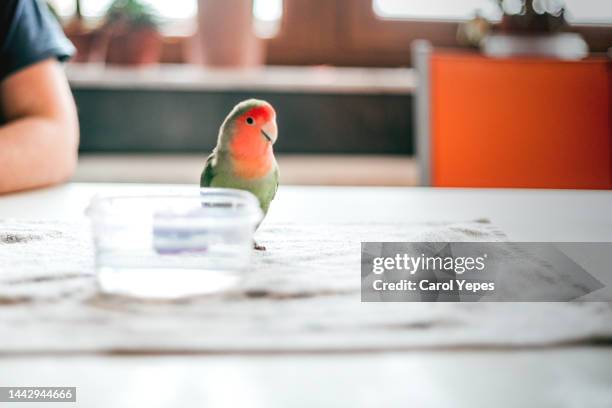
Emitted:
<point x="178" y="16"/>
<point x="435" y="9"/>
<point x="578" y="11"/>
<point x="268" y="15"/>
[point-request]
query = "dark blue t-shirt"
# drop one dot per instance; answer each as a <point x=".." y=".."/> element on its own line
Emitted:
<point x="29" y="34"/>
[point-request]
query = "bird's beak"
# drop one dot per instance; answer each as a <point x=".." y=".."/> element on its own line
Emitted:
<point x="270" y="131"/>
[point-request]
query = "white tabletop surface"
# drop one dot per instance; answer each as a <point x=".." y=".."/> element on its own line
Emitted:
<point x="524" y="215"/>
<point x="551" y="377"/>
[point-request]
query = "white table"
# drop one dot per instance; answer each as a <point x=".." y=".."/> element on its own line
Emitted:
<point x="549" y="377"/>
<point x="525" y="215"/>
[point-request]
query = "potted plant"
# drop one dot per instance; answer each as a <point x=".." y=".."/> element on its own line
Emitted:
<point x="534" y="28"/>
<point x="470" y="33"/>
<point x="133" y="29"/>
<point x="532" y="16"/>
<point x="90" y="43"/>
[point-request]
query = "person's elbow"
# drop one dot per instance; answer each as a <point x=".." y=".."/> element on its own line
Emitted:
<point x="39" y="140"/>
<point x="66" y="133"/>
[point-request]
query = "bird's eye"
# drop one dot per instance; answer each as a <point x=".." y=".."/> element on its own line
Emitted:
<point x="250" y="120"/>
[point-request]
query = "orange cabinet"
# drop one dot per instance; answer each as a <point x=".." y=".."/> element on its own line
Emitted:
<point x="525" y="122"/>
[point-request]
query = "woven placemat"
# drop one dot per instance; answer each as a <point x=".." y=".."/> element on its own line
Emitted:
<point x="301" y="295"/>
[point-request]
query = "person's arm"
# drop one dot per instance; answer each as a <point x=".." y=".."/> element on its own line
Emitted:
<point x="38" y="144"/>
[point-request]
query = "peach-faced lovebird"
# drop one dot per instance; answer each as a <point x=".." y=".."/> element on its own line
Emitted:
<point x="243" y="157"/>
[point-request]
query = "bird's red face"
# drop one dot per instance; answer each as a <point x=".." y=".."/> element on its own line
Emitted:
<point x="255" y="132"/>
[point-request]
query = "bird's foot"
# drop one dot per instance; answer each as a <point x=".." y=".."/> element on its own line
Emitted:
<point x="258" y="247"/>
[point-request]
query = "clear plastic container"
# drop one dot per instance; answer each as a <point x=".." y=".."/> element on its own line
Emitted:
<point x="173" y="246"/>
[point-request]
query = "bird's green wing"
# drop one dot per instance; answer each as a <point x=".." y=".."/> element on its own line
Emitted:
<point x="268" y="191"/>
<point x="208" y="173"/>
<point x="277" y="177"/>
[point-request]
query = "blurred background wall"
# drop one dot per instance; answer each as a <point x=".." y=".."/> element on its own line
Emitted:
<point x="154" y="79"/>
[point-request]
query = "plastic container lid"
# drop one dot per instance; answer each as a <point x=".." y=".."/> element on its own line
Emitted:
<point x="213" y="206"/>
